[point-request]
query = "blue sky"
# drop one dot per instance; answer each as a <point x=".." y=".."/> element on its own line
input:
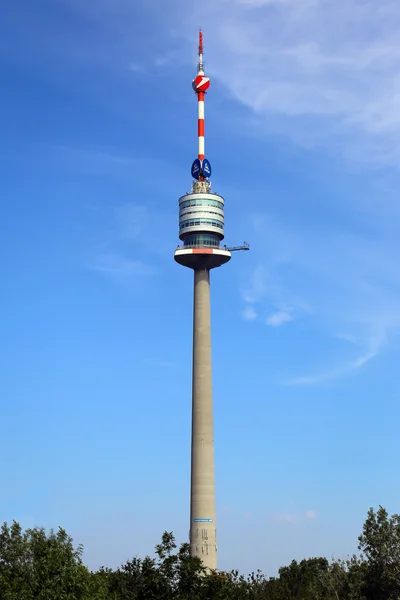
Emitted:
<point x="98" y="133"/>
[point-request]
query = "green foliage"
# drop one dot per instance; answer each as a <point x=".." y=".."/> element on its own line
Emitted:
<point x="15" y="564"/>
<point x="35" y="565"/>
<point x="380" y="543"/>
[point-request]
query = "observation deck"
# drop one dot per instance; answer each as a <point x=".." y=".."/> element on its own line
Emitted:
<point x="201" y="228"/>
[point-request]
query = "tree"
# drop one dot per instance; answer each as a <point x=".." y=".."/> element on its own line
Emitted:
<point x="15" y="564"/>
<point x="380" y="543"/>
<point x="37" y="566"/>
<point x="174" y="574"/>
<point x="345" y="579"/>
<point x="356" y="573"/>
<point x="101" y="585"/>
<point x="305" y="580"/>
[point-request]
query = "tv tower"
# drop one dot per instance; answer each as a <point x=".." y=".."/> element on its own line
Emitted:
<point x="201" y="229"/>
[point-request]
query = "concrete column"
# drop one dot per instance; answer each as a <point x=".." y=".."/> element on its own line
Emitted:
<point x="203" y="540"/>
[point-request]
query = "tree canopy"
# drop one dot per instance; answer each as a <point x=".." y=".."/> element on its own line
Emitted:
<point x="36" y="565"/>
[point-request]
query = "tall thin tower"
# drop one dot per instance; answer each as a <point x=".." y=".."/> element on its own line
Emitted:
<point x="201" y="229"/>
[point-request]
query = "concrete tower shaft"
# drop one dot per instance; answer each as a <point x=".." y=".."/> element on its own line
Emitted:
<point x="203" y="535"/>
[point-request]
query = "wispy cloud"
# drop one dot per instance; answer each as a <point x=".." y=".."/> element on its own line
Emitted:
<point x="166" y="364"/>
<point x="121" y="268"/>
<point x="99" y="157"/>
<point x="128" y="225"/>
<point x="229" y="511"/>
<point x="324" y="75"/>
<point x="100" y="161"/>
<point x="341" y="282"/>
<point x="346" y="337"/>
<point x="318" y="61"/>
<point x="122" y="229"/>
<point x="374" y="346"/>
<point x="256" y="287"/>
<point x="291" y="63"/>
<point x="137" y="68"/>
<point x="130" y="221"/>
<point x="247" y="516"/>
<point x="279" y="318"/>
<point x="249" y="313"/>
<point x="294" y="517"/>
<point x="372" y="337"/>
<point x="310" y="514"/>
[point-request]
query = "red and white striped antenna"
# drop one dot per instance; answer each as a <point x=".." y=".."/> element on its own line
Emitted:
<point x="200" y="85"/>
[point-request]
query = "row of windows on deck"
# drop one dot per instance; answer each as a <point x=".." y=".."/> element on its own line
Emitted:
<point x="201" y="202"/>
<point x="193" y="223"/>
<point x="201" y="240"/>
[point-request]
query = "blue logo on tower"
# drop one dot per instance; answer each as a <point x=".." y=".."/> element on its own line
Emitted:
<point x="201" y="168"/>
<point x="196" y="168"/>
<point x="206" y="168"/>
<point x="202" y="520"/>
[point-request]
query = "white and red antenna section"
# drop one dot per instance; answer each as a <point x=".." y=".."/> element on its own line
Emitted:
<point x="201" y="168"/>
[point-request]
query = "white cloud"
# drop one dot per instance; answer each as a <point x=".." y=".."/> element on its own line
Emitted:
<point x="166" y="364"/>
<point x="313" y="379"/>
<point x="288" y="61"/>
<point x="292" y="61"/>
<point x="257" y="285"/>
<point x="128" y="226"/>
<point x="337" y="373"/>
<point x="342" y="282"/>
<point x="372" y="344"/>
<point x="257" y="3"/>
<point x="249" y="313"/>
<point x="130" y="220"/>
<point x="229" y="511"/>
<point x="324" y="73"/>
<point x="137" y="68"/>
<point x="99" y="158"/>
<point x="121" y="268"/>
<point x="248" y="516"/>
<point x="295" y="517"/>
<point x="310" y="514"/>
<point x="285" y="517"/>
<point x="346" y="337"/>
<point x="279" y="318"/>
